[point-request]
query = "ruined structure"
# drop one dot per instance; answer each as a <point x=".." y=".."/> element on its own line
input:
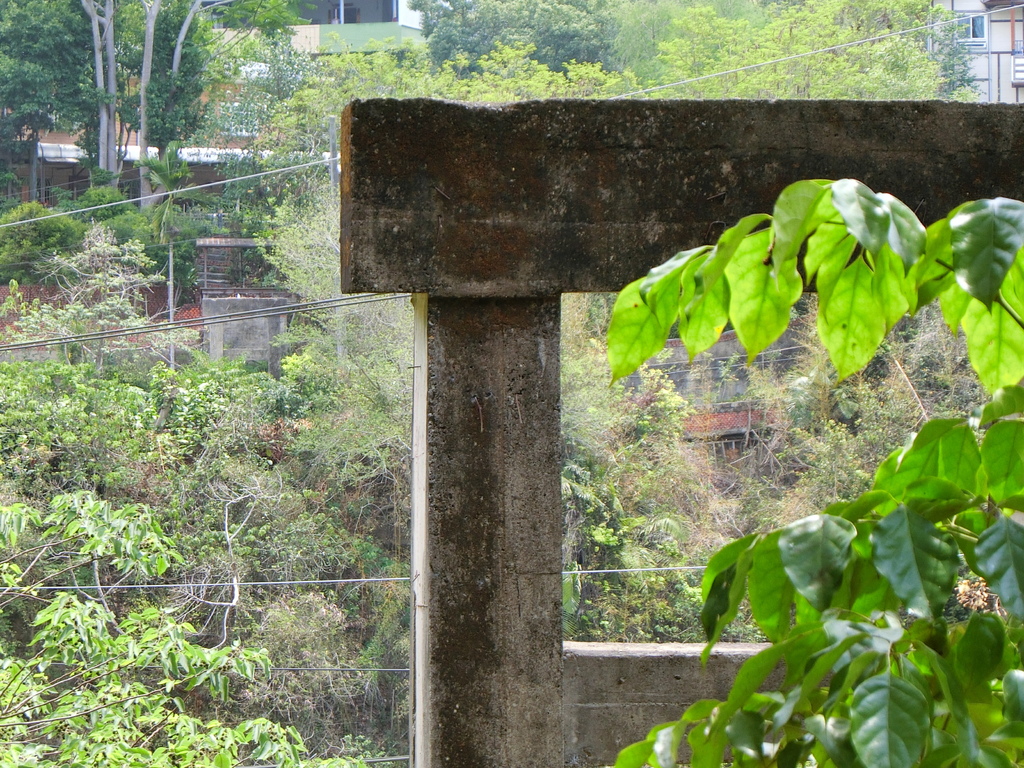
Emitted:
<point x="488" y="214"/>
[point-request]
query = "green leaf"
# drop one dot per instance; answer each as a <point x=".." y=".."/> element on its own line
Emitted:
<point x="995" y="344"/>
<point x="635" y="334"/>
<point x="1011" y="734"/>
<point x="1006" y="401"/>
<point x="865" y="213"/>
<point x="1013" y="697"/>
<point x="723" y="596"/>
<point x="918" y="559"/>
<point x="834" y="735"/>
<point x="979" y="651"/>
<point x="713" y="269"/>
<point x="967" y="733"/>
<point x="936" y="499"/>
<point x="669" y="271"/>
<point x="828" y="252"/>
<point x="815" y="551"/>
<point x="797" y="213"/>
<point x="1000" y="557"/>
<point x="745" y="732"/>
<point x="723" y="559"/>
<point x="759" y="303"/>
<point x="1002" y="455"/>
<point x="992" y="757"/>
<point x="944" y="448"/>
<point x="985" y="236"/>
<point x="889" y="722"/>
<point x="769" y="589"/>
<point x="666" y="744"/>
<point x="662" y="288"/>
<point x="707" y="747"/>
<point x="706" y="319"/>
<point x="790" y="755"/>
<point x="939" y="757"/>
<point x="1012" y="290"/>
<point x="852" y="323"/>
<point x="863" y="504"/>
<point x="907" y="236"/>
<point x="892" y="290"/>
<point x="953" y="302"/>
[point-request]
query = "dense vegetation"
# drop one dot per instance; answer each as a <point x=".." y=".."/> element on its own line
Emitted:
<point x="237" y="480"/>
<point x="855" y="598"/>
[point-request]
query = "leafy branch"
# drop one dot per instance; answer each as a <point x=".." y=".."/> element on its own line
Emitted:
<point x="868" y="258"/>
<point x="853" y="599"/>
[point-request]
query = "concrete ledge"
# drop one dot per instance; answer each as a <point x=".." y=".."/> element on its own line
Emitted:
<point x="614" y="693"/>
<point x="547" y="197"/>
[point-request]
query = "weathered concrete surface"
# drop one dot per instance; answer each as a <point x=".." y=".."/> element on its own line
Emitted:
<point x="492" y="696"/>
<point x="539" y="198"/>
<point x="616" y="692"/>
<point x="248" y="338"/>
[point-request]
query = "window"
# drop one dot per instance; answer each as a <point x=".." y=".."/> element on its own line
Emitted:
<point x="973" y="31"/>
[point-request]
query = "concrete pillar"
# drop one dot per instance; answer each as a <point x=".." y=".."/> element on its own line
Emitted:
<point x="489" y="681"/>
<point x="493" y="211"/>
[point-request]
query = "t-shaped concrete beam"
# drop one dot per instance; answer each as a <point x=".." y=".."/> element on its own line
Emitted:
<point x="541" y="198"/>
<point x="495" y="211"/>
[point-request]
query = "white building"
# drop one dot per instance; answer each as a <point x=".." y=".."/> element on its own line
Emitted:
<point x="993" y="31"/>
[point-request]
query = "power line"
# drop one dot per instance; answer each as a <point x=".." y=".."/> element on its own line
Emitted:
<point x="829" y="49"/>
<point x="396" y="759"/>
<point x="397" y="670"/>
<point x="318" y="582"/>
<point x="49" y="251"/>
<point x="286" y="309"/>
<point x="185" y="585"/>
<point x="156" y="195"/>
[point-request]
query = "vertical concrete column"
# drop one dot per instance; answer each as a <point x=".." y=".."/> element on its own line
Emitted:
<point x="488" y="682"/>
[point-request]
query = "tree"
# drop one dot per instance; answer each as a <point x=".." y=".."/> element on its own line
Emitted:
<point x="641" y="25"/>
<point x="560" y="30"/>
<point x="95" y="687"/>
<point x="25" y="248"/>
<point x="912" y="66"/>
<point x="853" y="599"/>
<point x="100" y="287"/>
<point x="166" y="33"/>
<point x="43" y="79"/>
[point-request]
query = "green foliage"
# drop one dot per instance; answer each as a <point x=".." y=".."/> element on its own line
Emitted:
<point x="63" y="429"/>
<point x="25" y="248"/>
<point x="44" y="67"/>
<point x="106" y="196"/>
<point x="692" y="40"/>
<point x="869" y="259"/>
<point x="906" y="688"/>
<point x="560" y="30"/>
<point x="100" y="291"/>
<point x="96" y="687"/>
<point x="853" y="598"/>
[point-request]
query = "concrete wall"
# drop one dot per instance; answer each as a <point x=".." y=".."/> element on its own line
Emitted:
<point x="614" y="693"/>
<point x="249" y="339"/>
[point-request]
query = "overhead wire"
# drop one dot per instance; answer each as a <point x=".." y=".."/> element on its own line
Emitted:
<point x="158" y="195"/>
<point x="170" y="325"/>
<point x="829" y="49"/>
<point x="316" y="582"/>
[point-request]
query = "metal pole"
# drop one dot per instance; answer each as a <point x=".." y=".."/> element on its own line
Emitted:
<point x="170" y="298"/>
<point x="332" y="132"/>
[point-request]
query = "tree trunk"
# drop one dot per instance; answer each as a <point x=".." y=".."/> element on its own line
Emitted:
<point x="152" y="8"/>
<point x="110" y="104"/>
<point x="105" y="75"/>
<point x="33" y="169"/>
